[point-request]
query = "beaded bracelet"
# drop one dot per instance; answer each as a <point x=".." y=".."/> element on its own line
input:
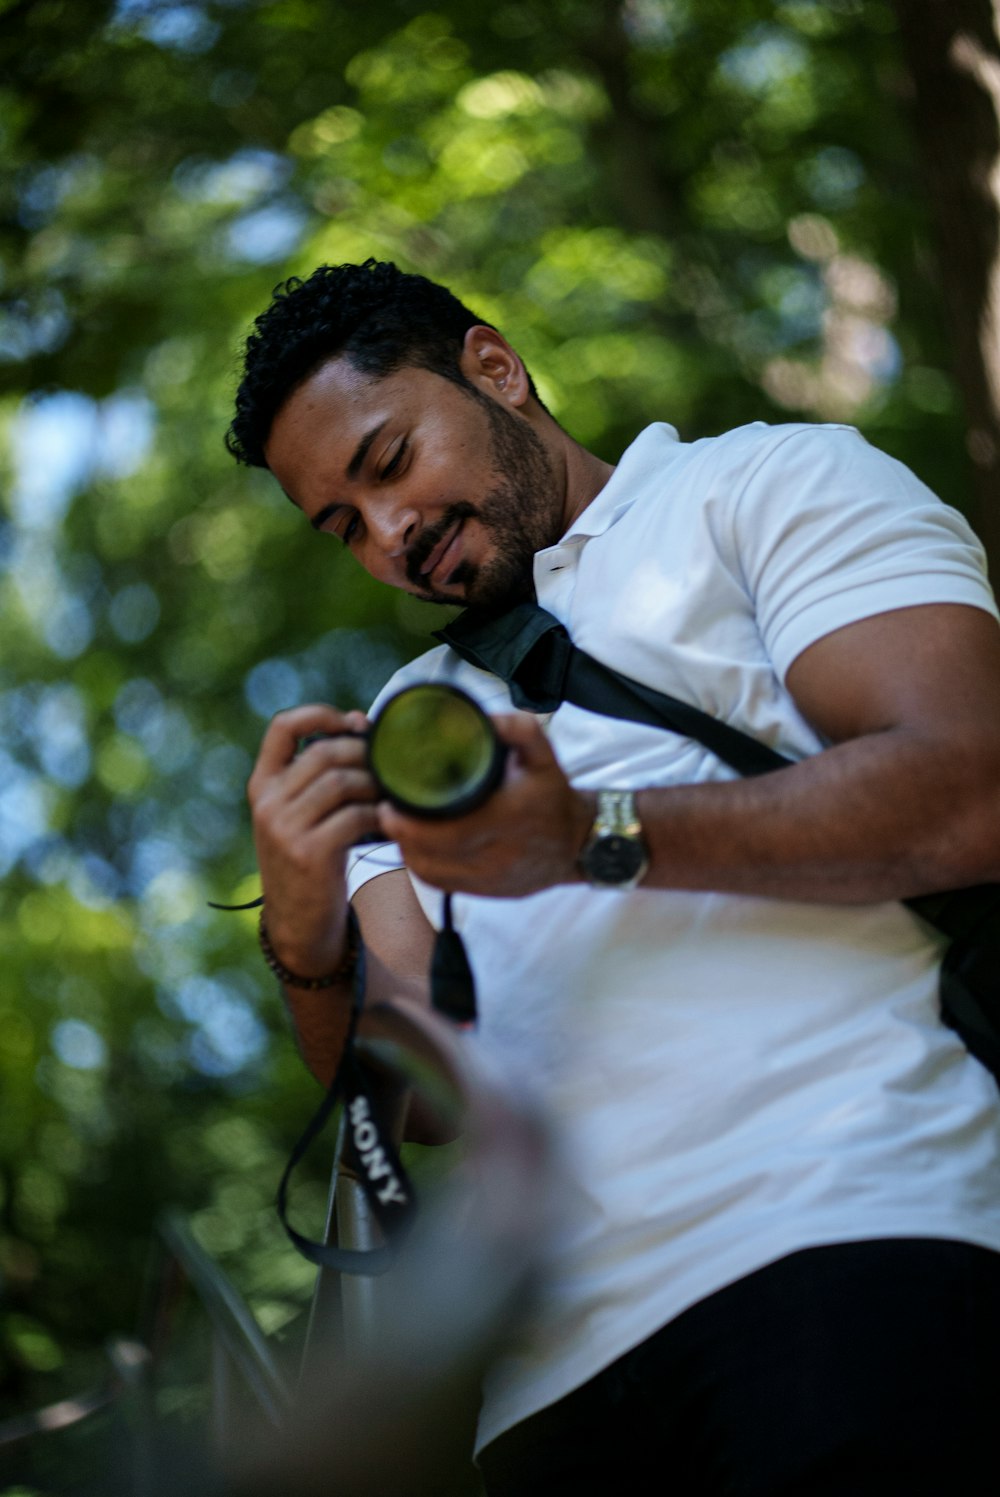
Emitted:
<point x="311" y="984"/>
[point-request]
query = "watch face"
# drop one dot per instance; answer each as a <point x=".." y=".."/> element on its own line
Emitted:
<point x="614" y="859"/>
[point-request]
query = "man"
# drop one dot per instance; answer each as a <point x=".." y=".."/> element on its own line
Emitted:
<point x="777" y="1271"/>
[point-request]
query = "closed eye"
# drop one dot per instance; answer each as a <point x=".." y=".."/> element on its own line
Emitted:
<point x="345" y="526"/>
<point x="337" y="519"/>
<point x="394" y="463"/>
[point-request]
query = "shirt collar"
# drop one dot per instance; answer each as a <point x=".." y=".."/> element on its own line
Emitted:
<point x="622" y="488"/>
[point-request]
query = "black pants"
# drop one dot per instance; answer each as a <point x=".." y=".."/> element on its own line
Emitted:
<point x="865" y="1370"/>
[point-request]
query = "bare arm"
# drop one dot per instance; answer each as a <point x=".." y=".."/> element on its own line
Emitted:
<point x="906" y="801"/>
<point x="398" y="941"/>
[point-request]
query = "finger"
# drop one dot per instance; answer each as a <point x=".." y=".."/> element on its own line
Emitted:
<point x="280" y="743"/>
<point x="523" y="732"/>
<point x="283" y="827"/>
<point x="423" y="838"/>
<point x="330" y="791"/>
<point x="396" y="825"/>
<point x="339" y="751"/>
<point x="314" y="848"/>
<point x="352" y="823"/>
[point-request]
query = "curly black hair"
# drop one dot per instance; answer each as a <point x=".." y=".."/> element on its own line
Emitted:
<point x="379" y="316"/>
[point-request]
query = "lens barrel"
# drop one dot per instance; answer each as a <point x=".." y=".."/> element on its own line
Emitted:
<point x="434" y="751"/>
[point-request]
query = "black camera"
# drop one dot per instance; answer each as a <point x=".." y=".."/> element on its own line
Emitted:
<point x="434" y="752"/>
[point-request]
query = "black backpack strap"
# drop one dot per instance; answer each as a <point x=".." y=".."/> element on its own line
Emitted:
<point x="970" y="970"/>
<point x="533" y="653"/>
<point x="963" y="914"/>
<point x="589" y="683"/>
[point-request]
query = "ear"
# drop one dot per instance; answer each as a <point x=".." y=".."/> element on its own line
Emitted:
<point x="489" y="363"/>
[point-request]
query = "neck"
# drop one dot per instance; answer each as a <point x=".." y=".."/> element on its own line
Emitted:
<point x="580" y="474"/>
<point x="585" y="477"/>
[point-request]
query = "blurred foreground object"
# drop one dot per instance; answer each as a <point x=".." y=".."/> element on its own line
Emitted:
<point x="388" y="1388"/>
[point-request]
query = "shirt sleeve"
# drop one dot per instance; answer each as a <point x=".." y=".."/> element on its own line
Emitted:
<point x="829" y="530"/>
<point x="368" y="861"/>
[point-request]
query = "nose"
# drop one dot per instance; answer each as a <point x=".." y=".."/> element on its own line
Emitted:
<point x="393" y="526"/>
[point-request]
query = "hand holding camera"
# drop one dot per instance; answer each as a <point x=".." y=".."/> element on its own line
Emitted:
<point x="308" y="808"/>
<point x="478" y="805"/>
<point x="433" y="763"/>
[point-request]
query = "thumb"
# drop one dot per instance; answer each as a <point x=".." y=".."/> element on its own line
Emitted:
<point x="522" y="732"/>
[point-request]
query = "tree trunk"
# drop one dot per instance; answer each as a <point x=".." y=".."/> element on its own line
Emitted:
<point x="953" y="49"/>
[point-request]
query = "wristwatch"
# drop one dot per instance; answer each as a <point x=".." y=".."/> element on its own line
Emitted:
<point x="614" y="855"/>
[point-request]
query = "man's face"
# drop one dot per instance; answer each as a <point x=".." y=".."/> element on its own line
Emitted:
<point x="445" y="492"/>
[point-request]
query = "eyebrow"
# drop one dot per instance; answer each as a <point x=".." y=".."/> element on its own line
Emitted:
<point x="361" y="451"/>
<point x="353" y="469"/>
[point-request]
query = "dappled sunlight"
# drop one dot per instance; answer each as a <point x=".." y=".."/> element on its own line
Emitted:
<point x="702" y="214"/>
<point x="859" y="357"/>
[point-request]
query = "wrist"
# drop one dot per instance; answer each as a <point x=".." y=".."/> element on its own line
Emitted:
<point x="584" y="811"/>
<point x="313" y="967"/>
<point x="615" y="854"/>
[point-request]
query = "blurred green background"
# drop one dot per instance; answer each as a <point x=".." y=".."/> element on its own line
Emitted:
<point x="704" y="211"/>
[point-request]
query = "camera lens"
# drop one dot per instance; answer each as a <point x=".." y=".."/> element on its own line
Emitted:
<point x="434" y="751"/>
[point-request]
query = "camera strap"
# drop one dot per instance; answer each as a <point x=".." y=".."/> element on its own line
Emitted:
<point x="532" y="652"/>
<point x="369" y="1153"/>
<point x="453" y="987"/>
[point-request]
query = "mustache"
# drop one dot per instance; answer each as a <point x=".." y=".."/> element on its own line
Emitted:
<point x="433" y="535"/>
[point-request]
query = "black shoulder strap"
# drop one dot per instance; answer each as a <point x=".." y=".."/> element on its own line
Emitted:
<point x="533" y="653"/>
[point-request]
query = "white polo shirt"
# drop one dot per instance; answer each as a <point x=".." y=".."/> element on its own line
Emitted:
<point x="731" y="1078"/>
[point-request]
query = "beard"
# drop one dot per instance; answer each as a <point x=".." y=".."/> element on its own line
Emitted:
<point x="521" y="514"/>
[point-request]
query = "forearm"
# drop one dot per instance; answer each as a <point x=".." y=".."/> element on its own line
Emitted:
<point x="881" y="817"/>
<point x="397" y="949"/>
<point x="320" y="1021"/>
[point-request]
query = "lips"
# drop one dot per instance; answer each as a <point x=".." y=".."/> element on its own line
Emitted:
<point x="445" y="556"/>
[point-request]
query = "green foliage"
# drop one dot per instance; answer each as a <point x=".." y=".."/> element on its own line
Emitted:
<point x="702" y="212"/>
